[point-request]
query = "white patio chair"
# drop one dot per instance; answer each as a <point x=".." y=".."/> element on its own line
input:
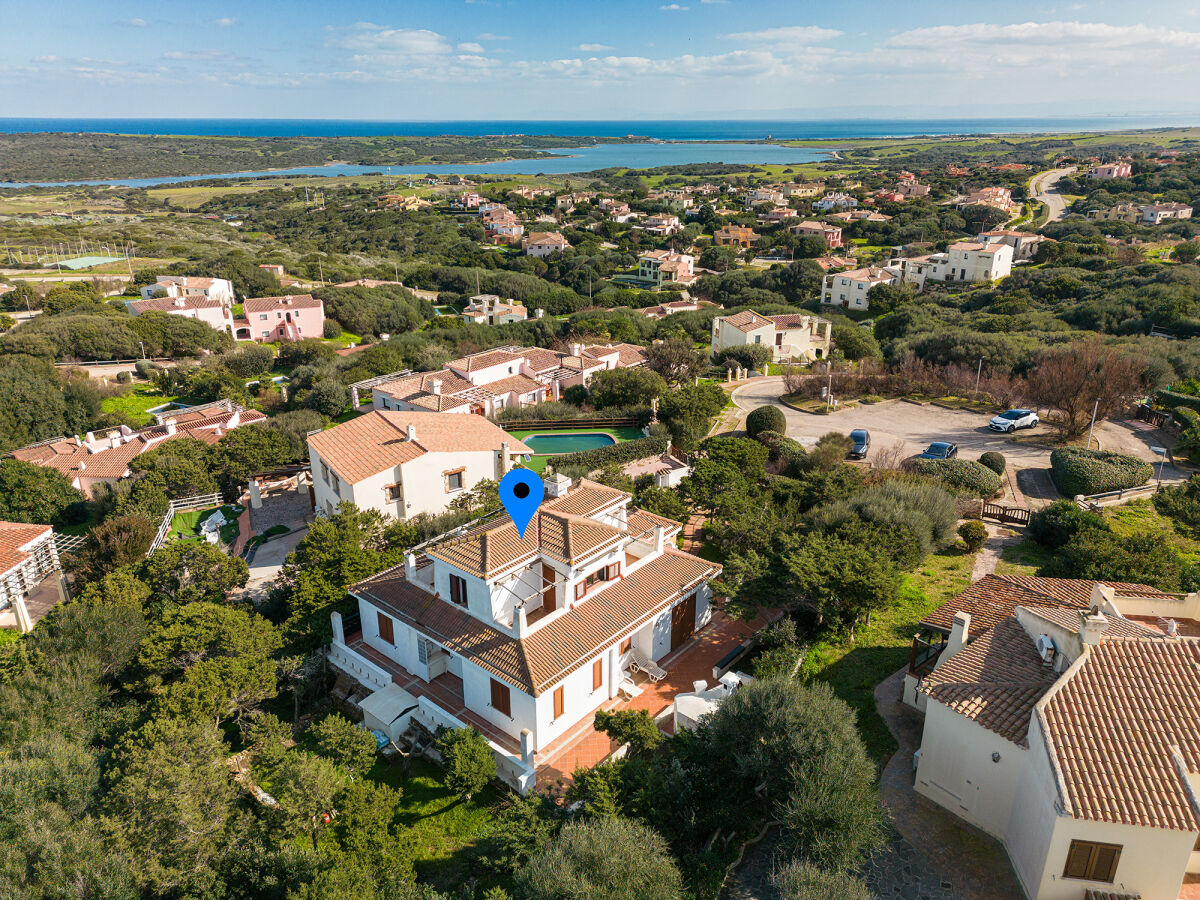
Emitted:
<point x="639" y="661"/>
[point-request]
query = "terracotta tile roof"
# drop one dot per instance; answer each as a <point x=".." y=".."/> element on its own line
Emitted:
<point x="410" y="386"/>
<point x="173" y="304"/>
<point x="551" y="238"/>
<point x="1118" y="626"/>
<point x="642" y="522"/>
<point x="535" y="662"/>
<point x="521" y="384"/>
<point x="484" y="360"/>
<point x="588" y="498"/>
<point x="993" y="598"/>
<point x="292" y="301"/>
<point x="541" y="359"/>
<point x="995" y="680"/>
<point x="1121" y="728"/>
<point x="378" y="440"/>
<point x="14" y="536"/>
<point x="790" y="321"/>
<point x="747" y="320"/>
<point x="437" y="403"/>
<point x="627" y="354"/>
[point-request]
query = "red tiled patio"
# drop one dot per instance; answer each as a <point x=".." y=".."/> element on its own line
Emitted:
<point x="583" y="746"/>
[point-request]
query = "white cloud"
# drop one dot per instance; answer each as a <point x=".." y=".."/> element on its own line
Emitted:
<point x="378" y="45"/>
<point x="792" y="33"/>
<point x="225" y="21"/>
<point x="488" y="36"/>
<point x="470" y="47"/>
<point x="714" y="1"/>
<point x="190" y="55"/>
<point x="594" y="48"/>
<point x="137" y="23"/>
<point x="673" y="7"/>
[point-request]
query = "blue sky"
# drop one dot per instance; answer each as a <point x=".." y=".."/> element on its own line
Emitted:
<point x="612" y="59"/>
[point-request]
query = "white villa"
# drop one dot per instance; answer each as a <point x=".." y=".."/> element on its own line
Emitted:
<point x="850" y="289"/>
<point x="1062" y="717"/>
<point x="489" y="309"/>
<point x="524" y="639"/>
<point x="219" y="289"/>
<point x="984" y="260"/>
<point x="544" y="243"/>
<point x="407" y="463"/>
<point x="795" y="336"/>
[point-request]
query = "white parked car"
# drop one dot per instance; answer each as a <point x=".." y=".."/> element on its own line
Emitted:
<point x="1014" y="419"/>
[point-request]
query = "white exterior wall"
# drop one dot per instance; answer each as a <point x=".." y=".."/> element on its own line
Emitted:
<point x="726" y="336"/>
<point x="579" y="700"/>
<point x="956" y="769"/>
<point x="491" y="373"/>
<point x="477" y="697"/>
<point x="848" y="292"/>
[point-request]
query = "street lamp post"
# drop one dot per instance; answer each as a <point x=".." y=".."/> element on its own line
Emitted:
<point x="829" y="388"/>
<point x="978" y="372"/>
<point x="142" y="344"/>
<point x="1162" y="453"/>
<point x="1095" y="409"/>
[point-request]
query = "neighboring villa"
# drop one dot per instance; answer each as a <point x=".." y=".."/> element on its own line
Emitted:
<point x="103" y="457"/>
<point x="765" y="195"/>
<point x="661" y="225"/>
<point x="295" y="317"/>
<point x="997" y="197"/>
<point x="911" y="188"/>
<point x="777" y="214"/>
<point x="211" y="312"/>
<point x="831" y="234"/>
<point x="666" y="266"/>
<point x="850" y="289"/>
<point x="861" y="215"/>
<point x="27" y="556"/>
<point x="793" y="336"/>
<point x="964" y="261"/>
<point x="407" y="463"/>
<point x="191" y="287"/>
<point x="1025" y="245"/>
<point x="485" y="383"/>
<point x="1106" y="171"/>
<point x="489" y="309"/>
<point x="669" y="309"/>
<point x="735" y="236"/>
<point x="1062" y="717"/>
<point x="835" y="200"/>
<point x="501" y="225"/>
<point x="544" y="243"/>
<point x="1142" y="214"/>
<point x="525" y="639"/>
<point x="809" y="189"/>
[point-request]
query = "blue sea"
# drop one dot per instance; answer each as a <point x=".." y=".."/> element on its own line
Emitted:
<point x="688" y="141"/>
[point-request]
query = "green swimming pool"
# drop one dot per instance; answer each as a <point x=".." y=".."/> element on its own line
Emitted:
<point x="550" y="444"/>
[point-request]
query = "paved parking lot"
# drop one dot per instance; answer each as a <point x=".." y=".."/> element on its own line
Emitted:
<point x="914" y="427"/>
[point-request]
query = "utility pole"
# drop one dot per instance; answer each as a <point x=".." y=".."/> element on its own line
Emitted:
<point x="1095" y="409"/>
<point x="978" y="372"/>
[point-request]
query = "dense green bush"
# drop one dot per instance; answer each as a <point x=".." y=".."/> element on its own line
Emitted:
<point x="994" y="461"/>
<point x="782" y="447"/>
<point x="1172" y="400"/>
<point x="1077" y="471"/>
<point x="612" y="454"/>
<point x="963" y="475"/>
<point x="923" y="509"/>
<point x="1188" y="442"/>
<point x="1054" y="525"/>
<point x="766" y="418"/>
<point x="331" y="329"/>
<point x="973" y="534"/>
<point x="1181" y="503"/>
<point x="749" y="356"/>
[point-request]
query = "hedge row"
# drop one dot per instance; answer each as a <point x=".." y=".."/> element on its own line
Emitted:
<point x="961" y="475"/>
<point x="1172" y="400"/>
<point x="1187" y="444"/>
<point x="1077" y="471"/>
<point x="613" y="453"/>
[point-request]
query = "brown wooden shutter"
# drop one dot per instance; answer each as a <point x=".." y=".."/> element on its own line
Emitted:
<point x="580" y="589"/>
<point x="501" y="699"/>
<point x="626" y="645"/>
<point x="597" y="674"/>
<point x="385" y="629"/>
<point x="558" y="702"/>
<point x="1104" y="862"/>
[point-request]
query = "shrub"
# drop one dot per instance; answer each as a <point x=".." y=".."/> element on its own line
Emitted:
<point x="1188" y="442"/>
<point x="468" y="759"/>
<point x="973" y="534"/>
<point x="343" y="743"/>
<point x="1077" y="471"/>
<point x="1174" y="401"/>
<point x="331" y="329"/>
<point x="829" y="450"/>
<point x="1054" y="525"/>
<point x="923" y="508"/>
<point x="612" y="454"/>
<point x="144" y="368"/>
<point x="799" y="880"/>
<point x="1182" y="504"/>
<point x="766" y="418"/>
<point x="994" y="461"/>
<point x="749" y="356"/>
<point x="124" y="378"/>
<point x="963" y="475"/>
<point x="1140" y="558"/>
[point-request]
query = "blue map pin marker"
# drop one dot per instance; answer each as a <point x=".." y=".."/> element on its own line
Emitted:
<point x="521" y="492"/>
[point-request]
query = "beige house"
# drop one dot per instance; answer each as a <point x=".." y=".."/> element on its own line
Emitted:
<point x="831" y="234"/>
<point x="735" y="236"/>
<point x="407" y="463"/>
<point x="850" y="289"/>
<point x="544" y="243"/>
<point x="1024" y="245"/>
<point x="1068" y="728"/>
<point x="793" y="336"/>
<point x="664" y="266"/>
<point x="489" y="309"/>
<point x="985" y="260"/>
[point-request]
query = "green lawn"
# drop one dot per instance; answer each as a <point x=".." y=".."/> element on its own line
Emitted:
<point x="1024" y="558"/>
<point x="854" y="668"/>
<point x="187" y="524"/>
<point x="444" y="828"/>
<point x="538" y="463"/>
<point x="1140" y="517"/>
<point x="135" y="403"/>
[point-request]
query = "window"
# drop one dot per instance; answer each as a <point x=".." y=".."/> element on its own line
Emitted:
<point x="1092" y="862"/>
<point x="393" y="493"/>
<point x="597" y="674"/>
<point x="458" y="590"/>
<point x="423" y="648"/>
<point x="501" y="699"/>
<point x="337" y="484"/>
<point x="758" y="339"/>
<point x="385" y="629"/>
<point x="454" y="480"/>
<point x="325" y="473"/>
<point x="559" y="705"/>
<point x="604" y="573"/>
<point x="263" y="318"/>
<point x="626" y="645"/>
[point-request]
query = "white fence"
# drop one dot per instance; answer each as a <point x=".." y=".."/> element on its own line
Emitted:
<point x="187" y="504"/>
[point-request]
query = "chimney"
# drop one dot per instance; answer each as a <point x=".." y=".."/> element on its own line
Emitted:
<point x="504" y="458"/>
<point x="170" y="423"/>
<point x="960" y="633"/>
<point x="577" y="349"/>
<point x="435" y="387"/>
<point x="78" y="442"/>
<point x="114" y="441"/>
<point x="660" y="537"/>
<point x="556" y="484"/>
<point x="91" y="437"/>
<point x="1102" y="597"/>
<point x="520" y="623"/>
<point x="1092" y="625"/>
<point x="82" y="465"/>
<point x="411" y="432"/>
<point x="410" y="566"/>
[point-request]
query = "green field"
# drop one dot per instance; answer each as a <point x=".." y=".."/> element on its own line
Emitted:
<point x="538" y="463"/>
<point x="135" y="403"/>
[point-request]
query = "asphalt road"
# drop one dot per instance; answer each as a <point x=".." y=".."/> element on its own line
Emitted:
<point x="911" y="428"/>
<point x="1044" y="190"/>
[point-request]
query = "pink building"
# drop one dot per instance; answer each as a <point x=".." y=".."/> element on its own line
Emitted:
<point x="210" y="311"/>
<point x="1111" y="170"/>
<point x="290" y="318"/>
